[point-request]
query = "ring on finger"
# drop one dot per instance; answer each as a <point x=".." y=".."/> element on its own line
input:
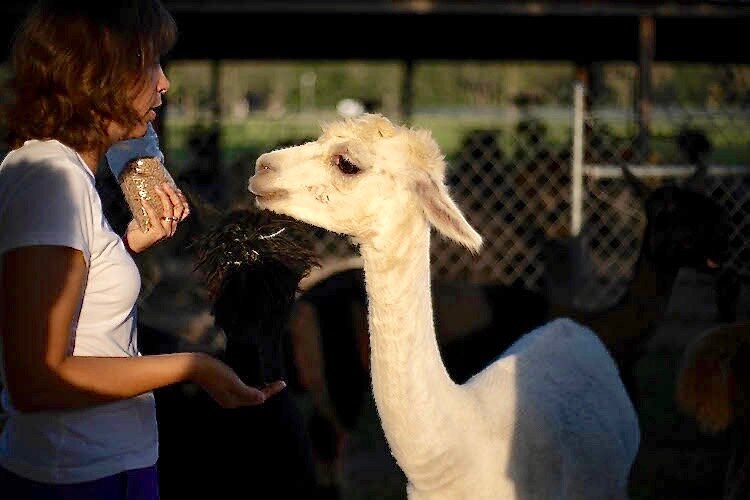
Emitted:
<point x="167" y="218"/>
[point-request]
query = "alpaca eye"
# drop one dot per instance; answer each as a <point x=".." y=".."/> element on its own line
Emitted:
<point x="345" y="166"/>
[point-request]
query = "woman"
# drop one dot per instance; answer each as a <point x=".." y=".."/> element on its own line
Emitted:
<point x="81" y="421"/>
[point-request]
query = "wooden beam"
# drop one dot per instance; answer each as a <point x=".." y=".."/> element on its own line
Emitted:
<point x="501" y="35"/>
<point x="684" y="8"/>
<point x="644" y="109"/>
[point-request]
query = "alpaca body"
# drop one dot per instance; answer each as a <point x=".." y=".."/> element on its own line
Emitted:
<point x="626" y="327"/>
<point x="384" y="186"/>
<point x="200" y="442"/>
<point x="329" y="351"/>
<point x="684" y="229"/>
<point x="207" y="451"/>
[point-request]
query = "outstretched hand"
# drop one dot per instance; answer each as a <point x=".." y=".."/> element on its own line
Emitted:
<point x="226" y="387"/>
<point x="175" y="209"/>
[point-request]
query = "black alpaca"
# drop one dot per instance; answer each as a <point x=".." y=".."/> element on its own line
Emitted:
<point x="695" y="147"/>
<point x="684" y="229"/>
<point x="252" y="263"/>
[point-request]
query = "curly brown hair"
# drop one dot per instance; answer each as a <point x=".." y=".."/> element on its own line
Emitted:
<point x="69" y="64"/>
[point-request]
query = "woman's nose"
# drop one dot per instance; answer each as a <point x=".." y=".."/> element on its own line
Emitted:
<point x="163" y="82"/>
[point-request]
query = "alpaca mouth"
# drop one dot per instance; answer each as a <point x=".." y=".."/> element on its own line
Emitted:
<point x="264" y="193"/>
<point x="269" y="195"/>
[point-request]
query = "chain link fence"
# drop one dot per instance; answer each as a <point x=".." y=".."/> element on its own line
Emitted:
<point x="527" y="207"/>
<point x="717" y="133"/>
<point x="509" y="133"/>
<point x="506" y="134"/>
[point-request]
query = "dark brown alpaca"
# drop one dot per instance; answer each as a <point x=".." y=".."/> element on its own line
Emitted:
<point x="684" y="229"/>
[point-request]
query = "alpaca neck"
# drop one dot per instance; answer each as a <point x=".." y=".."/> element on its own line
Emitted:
<point x="413" y="392"/>
<point x="650" y="287"/>
<point x="627" y="326"/>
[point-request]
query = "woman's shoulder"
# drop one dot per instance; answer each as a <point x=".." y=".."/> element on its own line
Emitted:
<point x="41" y="160"/>
<point x="42" y="152"/>
<point x="46" y="170"/>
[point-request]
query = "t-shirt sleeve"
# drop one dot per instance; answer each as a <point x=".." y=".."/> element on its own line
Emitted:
<point x="51" y="204"/>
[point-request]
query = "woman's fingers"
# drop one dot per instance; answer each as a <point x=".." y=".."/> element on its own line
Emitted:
<point x="185" y="205"/>
<point x="274" y="388"/>
<point x="224" y="385"/>
<point x="169" y="220"/>
<point x="156" y="223"/>
<point x="251" y="396"/>
<point x="177" y="202"/>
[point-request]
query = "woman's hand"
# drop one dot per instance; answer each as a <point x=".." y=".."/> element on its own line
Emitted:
<point x="176" y="209"/>
<point x="226" y="388"/>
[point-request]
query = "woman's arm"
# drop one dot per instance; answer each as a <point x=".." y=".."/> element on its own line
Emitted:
<point x="42" y="291"/>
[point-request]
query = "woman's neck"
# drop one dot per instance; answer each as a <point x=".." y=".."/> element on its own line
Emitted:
<point x="93" y="158"/>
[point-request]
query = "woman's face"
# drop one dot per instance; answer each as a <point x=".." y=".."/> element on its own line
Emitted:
<point x="145" y="102"/>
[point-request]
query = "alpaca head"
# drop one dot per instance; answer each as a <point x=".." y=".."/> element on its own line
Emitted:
<point x="362" y="177"/>
<point x="684" y="228"/>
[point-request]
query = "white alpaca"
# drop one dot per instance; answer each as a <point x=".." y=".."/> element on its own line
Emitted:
<point x="550" y="419"/>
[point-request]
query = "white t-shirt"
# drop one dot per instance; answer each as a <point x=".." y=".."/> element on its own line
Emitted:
<point x="48" y="197"/>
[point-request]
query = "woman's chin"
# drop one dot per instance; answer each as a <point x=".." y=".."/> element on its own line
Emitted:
<point x="138" y="131"/>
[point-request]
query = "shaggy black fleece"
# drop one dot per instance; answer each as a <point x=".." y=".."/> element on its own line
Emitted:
<point x="251" y="263"/>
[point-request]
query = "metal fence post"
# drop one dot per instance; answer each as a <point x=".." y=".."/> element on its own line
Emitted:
<point x="576" y="173"/>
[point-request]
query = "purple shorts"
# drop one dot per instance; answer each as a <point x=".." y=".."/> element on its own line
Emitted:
<point x="136" y="484"/>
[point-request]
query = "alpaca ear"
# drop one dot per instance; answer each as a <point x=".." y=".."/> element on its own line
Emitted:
<point x="637" y="186"/>
<point x="444" y="214"/>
